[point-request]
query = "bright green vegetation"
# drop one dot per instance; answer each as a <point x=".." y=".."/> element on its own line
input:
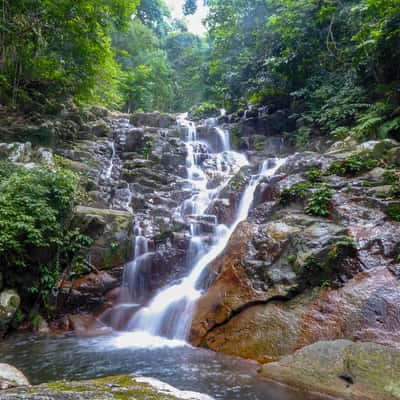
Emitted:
<point x="204" y="110"/>
<point x="126" y="54"/>
<point x="298" y="191"/>
<point x="334" y="62"/>
<point x="354" y="165"/>
<point x="318" y="198"/>
<point x="318" y="205"/>
<point x="36" y="241"/>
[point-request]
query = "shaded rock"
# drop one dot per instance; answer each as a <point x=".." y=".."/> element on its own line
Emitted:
<point x="41" y="327"/>
<point x="9" y="304"/>
<point x="11" y="377"/>
<point x="360" y="371"/>
<point x="135" y="140"/>
<point x="85" y="294"/>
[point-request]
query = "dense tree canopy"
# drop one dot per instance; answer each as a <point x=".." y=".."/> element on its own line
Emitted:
<point x="111" y="52"/>
<point x="58" y="48"/>
<point x="337" y="61"/>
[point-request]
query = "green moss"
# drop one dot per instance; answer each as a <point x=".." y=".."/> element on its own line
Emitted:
<point x="322" y="267"/>
<point x="122" y="387"/>
<point x="236" y="136"/>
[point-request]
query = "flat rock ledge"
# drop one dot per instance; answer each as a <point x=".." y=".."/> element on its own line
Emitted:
<point x="124" y="387"/>
<point x="341" y="368"/>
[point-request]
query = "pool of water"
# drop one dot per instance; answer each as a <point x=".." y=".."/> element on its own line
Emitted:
<point x="182" y="366"/>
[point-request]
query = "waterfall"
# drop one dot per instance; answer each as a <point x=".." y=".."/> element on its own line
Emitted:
<point x="169" y="314"/>
<point x="111" y="166"/>
<point x="224" y="136"/>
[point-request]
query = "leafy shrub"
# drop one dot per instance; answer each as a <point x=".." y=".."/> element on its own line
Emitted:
<point x="314" y="175"/>
<point x="204" y="110"/>
<point x="35" y="240"/>
<point x="340" y="133"/>
<point x="354" y="165"/>
<point x="303" y="137"/>
<point x="318" y="205"/>
<point x="296" y="192"/>
<point x="391" y="178"/>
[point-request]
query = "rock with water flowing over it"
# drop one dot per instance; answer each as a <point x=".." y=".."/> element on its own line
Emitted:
<point x="360" y="371"/>
<point x="266" y="289"/>
<point x="11" y="377"/>
<point x="112" y="388"/>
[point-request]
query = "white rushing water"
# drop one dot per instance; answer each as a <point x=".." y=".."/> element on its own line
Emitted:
<point x="168" y="316"/>
<point x="111" y="166"/>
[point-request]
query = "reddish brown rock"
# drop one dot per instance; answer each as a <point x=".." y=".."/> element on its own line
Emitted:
<point x="85" y="294"/>
<point x="367" y="308"/>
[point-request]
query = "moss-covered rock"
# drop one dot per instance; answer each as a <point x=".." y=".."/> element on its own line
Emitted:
<point x="111" y="231"/>
<point x="360" y="371"/>
<point x="123" y="387"/>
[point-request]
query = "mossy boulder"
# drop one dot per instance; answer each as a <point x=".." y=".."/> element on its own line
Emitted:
<point x="360" y="371"/>
<point x="111" y="231"/>
<point x="123" y="387"/>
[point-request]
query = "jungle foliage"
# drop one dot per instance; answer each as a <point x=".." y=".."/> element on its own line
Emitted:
<point x="337" y="61"/>
<point x="36" y="238"/>
<point x="126" y="54"/>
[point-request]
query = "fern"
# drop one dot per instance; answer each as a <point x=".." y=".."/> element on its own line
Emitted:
<point x="388" y="128"/>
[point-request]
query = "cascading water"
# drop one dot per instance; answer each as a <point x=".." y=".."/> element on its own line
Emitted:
<point x="169" y="314"/>
<point x="111" y="166"/>
<point x="224" y="136"/>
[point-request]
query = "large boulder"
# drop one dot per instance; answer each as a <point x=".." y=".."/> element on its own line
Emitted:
<point x="358" y="371"/>
<point x="269" y="262"/>
<point x="112" y="388"/>
<point x="365" y="309"/>
<point x="154" y="119"/>
<point x="11" y="377"/>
